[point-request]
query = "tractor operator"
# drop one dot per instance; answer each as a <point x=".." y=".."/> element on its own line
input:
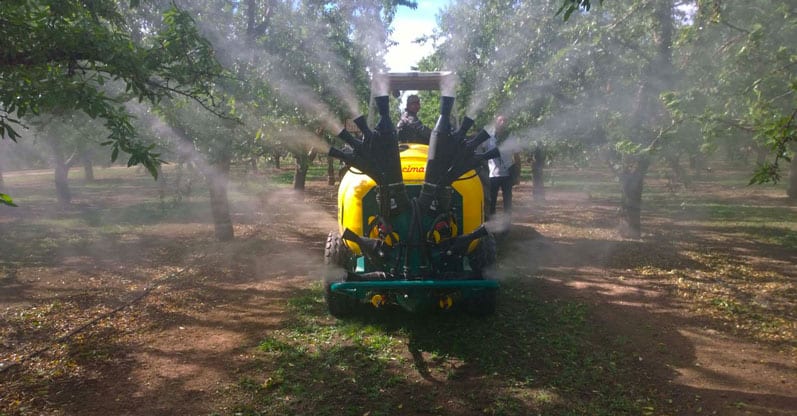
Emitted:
<point x="410" y="129"/>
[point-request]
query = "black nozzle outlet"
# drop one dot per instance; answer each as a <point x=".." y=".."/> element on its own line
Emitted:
<point x="372" y="248"/>
<point x="467" y="123"/>
<point x="479" y="139"/>
<point x="383" y="105"/>
<point x="490" y="154"/>
<point x="355" y="144"/>
<point x="385" y="124"/>
<point x="348" y="158"/>
<point x="459" y="245"/>
<point x="446" y="105"/>
<point x="362" y="124"/>
<point x="466" y="163"/>
<point x="357" y="161"/>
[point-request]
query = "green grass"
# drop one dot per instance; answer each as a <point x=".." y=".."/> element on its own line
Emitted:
<point x="316" y="171"/>
<point x="534" y="356"/>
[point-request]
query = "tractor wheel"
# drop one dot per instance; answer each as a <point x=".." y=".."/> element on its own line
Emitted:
<point x="337" y="261"/>
<point x="483" y="303"/>
<point x="484" y="256"/>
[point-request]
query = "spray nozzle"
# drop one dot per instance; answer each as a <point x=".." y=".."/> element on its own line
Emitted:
<point x="346" y="157"/>
<point x="446" y="105"/>
<point x="385" y="124"/>
<point x="362" y="124"/>
<point x="372" y="248"/>
<point x="458" y="246"/>
<point x="357" y="157"/>
<point x="377" y="155"/>
<point x="490" y="154"/>
<point x="442" y="146"/>
<point x="476" y="141"/>
<point x="355" y="144"/>
<point x="467" y="161"/>
<point x="467" y="123"/>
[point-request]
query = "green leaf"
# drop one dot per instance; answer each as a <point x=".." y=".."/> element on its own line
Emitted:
<point x="12" y="134"/>
<point x="6" y="200"/>
<point x="569" y="11"/>
<point x="153" y="170"/>
<point x="564" y="5"/>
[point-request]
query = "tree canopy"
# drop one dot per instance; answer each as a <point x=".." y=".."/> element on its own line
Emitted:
<point x="63" y="53"/>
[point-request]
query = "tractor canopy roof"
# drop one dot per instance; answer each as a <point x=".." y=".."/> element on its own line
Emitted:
<point x="418" y="81"/>
<point x="397" y="84"/>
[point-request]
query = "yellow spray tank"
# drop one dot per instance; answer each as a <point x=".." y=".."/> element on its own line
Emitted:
<point x="356" y="186"/>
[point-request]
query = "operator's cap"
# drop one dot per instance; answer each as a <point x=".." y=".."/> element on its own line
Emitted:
<point x="413" y="99"/>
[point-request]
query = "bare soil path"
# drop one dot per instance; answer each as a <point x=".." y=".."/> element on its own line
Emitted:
<point x="182" y="315"/>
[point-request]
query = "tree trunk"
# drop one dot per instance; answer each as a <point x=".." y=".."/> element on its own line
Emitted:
<point x="330" y="171"/>
<point x="300" y="173"/>
<point x="792" y="191"/>
<point x="219" y="202"/>
<point x="88" y="165"/>
<point x="699" y="164"/>
<point x="217" y="177"/>
<point x="632" y="180"/>
<point x="761" y="153"/>
<point x="178" y="180"/>
<point x="677" y="175"/>
<point x="303" y="160"/>
<point x="537" y="177"/>
<point x="62" y="191"/>
<point x="276" y="160"/>
<point x="648" y="114"/>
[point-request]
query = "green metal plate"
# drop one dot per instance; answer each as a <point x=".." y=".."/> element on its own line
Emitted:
<point x="415" y="284"/>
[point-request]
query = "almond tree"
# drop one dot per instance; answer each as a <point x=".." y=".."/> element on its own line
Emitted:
<point x="285" y="61"/>
<point x="602" y="71"/>
<point x="58" y="54"/>
<point x="739" y="61"/>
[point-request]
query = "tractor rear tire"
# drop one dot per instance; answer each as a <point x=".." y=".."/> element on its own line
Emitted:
<point x="337" y="261"/>
<point x="482" y="304"/>
<point x="485" y="255"/>
<point x="481" y="260"/>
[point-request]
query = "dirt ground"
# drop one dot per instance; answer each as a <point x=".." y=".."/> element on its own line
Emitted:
<point x="163" y="320"/>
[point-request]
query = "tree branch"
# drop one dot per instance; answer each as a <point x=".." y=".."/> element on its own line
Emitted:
<point x="209" y="108"/>
<point x="735" y="27"/>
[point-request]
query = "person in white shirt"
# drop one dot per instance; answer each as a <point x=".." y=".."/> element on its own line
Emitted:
<point x="503" y="170"/>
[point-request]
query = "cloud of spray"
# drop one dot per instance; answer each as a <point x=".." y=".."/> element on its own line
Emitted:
<point x="303" y="97"/>
<point x="512" y="48"/>
<point x="448" y="86"/>
<point x="322" y="219"/>
<point x="298" y="139"/>
<point x="327" y="66"/>
<point x="368" y="31"/>
<point x="183" y="146"/>
<point x="380" y="85"/>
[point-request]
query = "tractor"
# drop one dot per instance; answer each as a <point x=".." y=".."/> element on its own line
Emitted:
<point x="411" y="216"/>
